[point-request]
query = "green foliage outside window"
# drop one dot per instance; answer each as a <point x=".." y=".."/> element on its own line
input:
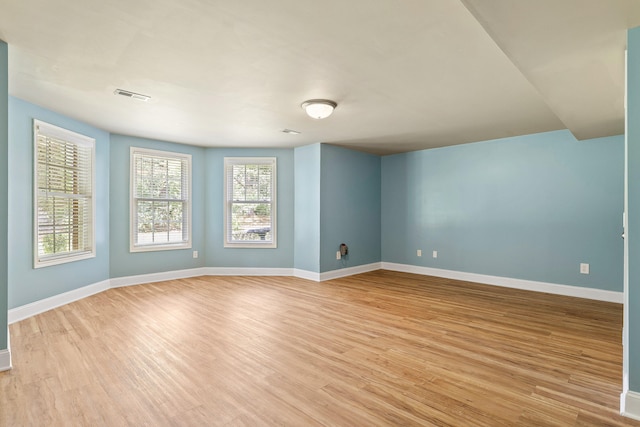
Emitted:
<point x="250" y="189"/>
<point x="161" y="199"/>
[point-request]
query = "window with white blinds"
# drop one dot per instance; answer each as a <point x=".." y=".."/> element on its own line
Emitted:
<point x="160" y="200"/>
<point x="63" y="195"/>
<point x="250" y="194"/>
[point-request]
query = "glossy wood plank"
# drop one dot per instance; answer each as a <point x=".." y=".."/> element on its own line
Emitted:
<point x="380" y="348"/>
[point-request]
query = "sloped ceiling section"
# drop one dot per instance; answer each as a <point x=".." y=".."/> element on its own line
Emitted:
<point x="406" y="76"/>
<point x="572" y="51"/>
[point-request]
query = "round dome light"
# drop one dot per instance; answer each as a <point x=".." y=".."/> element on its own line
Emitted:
<point x="319" y="108"/>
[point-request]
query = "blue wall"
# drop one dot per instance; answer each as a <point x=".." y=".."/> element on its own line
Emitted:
<point x="27" y="284"/>
<point x="307" y="208"/>
<point x="219" y="256"/>
<point x="633" y="208"/>
<point x="350" y="207"/>
<point x="531" y="207"/>
<point x="124" y="263"/>
<point x="4" y="195"/>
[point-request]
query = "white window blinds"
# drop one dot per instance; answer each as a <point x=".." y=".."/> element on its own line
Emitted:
<point x="63" y="195"/>
<point x="250" y="193"/>
<point x="160" y="200"/>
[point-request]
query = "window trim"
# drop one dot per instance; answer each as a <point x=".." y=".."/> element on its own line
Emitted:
<point x="231" y="161"/>
<point x="52" y="131"/>
<point x="132" y="213"/>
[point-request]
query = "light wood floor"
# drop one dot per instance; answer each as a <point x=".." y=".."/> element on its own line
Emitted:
<point x="375" y="349"/>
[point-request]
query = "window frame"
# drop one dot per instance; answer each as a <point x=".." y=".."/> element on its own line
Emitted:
<point x="228" y="204"/>
<point x="133" y="247"/>
<point x="48" y="130"/>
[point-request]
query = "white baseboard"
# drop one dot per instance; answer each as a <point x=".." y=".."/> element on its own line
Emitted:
<point x="306" y="274"/>
<point x="244" y="271"/>
<point x="5" y="355"/>
<point x="529" y="285"/>
<point x="37" y="307"/>
<point x="335" y="274"/>
<point x="5" y="360"/>
<point x="349" y="271"/>
<point x="630" y="405"/>
<point x="140" y="279"/>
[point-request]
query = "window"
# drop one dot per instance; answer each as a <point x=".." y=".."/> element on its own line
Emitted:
<point x="250" y="194"/>
<point x="63" y="195"/>
<point x="160" y="200"/>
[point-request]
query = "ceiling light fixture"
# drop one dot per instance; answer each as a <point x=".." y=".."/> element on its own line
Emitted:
<point x="319" y="108"/>
<point x="133" y="95"/>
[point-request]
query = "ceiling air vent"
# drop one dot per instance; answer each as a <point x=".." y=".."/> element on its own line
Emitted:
<point x="133" y="95"/>
<point x="291" y="131"/>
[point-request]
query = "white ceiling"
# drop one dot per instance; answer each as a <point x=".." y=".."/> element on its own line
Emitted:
<point x="406" y="75"/>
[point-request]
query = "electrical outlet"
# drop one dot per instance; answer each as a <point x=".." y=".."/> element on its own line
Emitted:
<point x="338" y="256"/>
<point x="195" y="254"/>
<point x="419" y="252"/>
<point x="584" y="268"/>
<point x="435" y="254"/>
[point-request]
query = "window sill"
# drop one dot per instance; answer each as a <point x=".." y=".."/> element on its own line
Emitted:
<point x="245" y="245"/>
<point x="63" y="259"/>
<point x="154" y="248"/>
